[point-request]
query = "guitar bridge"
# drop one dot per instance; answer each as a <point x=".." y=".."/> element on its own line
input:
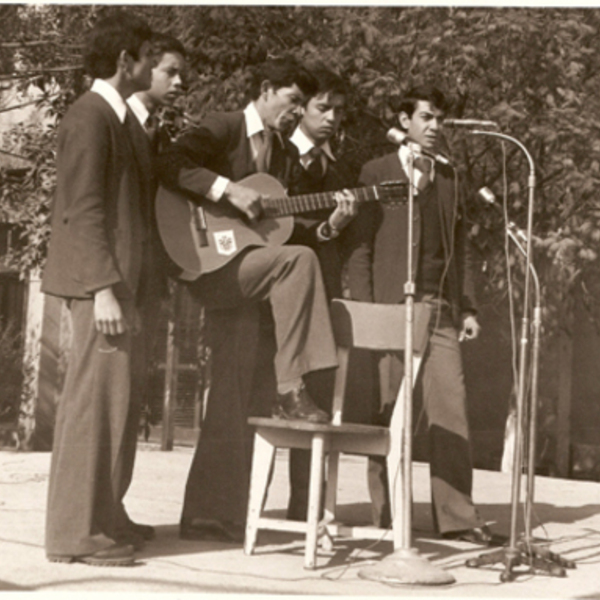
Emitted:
<point x="200" y="225"/>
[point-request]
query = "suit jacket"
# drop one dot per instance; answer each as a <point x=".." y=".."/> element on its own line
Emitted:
<point x="331" y="254"/>
<point x="219" y="146"/>
<point x="377" y="267"/>
<point x="101" y="207"/>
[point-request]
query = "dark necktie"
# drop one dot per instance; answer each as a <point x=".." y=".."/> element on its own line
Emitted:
<point x="315" y="166"/>
<point x="263" y="157"/>
<point x="151" y="126"/>
<point x="425" y="165"/>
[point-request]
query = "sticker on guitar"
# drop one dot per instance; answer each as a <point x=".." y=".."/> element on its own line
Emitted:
<point x="225" y="242"/>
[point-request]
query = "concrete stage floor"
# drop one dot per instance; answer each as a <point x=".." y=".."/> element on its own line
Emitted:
<point x="567" y="515"/>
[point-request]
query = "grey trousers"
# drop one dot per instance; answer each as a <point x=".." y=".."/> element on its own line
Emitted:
<point x="94" y="440"/>
<point x="265" y="297"/>
<point x="444" y="402"/>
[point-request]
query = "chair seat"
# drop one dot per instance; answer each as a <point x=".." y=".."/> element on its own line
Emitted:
<point x="343" y="428"/>
<point x="347" y="437"/>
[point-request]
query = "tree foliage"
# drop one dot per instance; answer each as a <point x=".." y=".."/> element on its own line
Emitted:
<point x="533" y="70"/>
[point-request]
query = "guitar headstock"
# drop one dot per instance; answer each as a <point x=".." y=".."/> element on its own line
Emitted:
<point x="393" y="192"/>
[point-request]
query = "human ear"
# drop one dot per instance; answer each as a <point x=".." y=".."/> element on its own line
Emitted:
<point x="404" y="120"/>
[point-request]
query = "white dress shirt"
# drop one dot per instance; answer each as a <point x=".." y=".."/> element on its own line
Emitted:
<point x="403" y="154"/>
<point x="110" y="94"/>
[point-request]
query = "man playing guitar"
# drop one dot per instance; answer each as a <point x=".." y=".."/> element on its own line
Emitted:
<point x="208" y="163"/>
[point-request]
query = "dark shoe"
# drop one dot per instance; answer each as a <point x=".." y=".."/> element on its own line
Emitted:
<point x="297" y="405"/>
<point x="132" y="538"/>
<point x="117" y="555"/>
<point x="145" y="531"/>
<point x="482" y="536"/>
<point x="207" y="530"/>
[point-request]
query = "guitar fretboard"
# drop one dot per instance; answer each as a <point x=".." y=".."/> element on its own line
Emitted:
<point x="281" y="207"/>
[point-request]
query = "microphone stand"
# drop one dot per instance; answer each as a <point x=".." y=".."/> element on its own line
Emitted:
<point x="524" y="551"/>
<point x="405" y="565"/>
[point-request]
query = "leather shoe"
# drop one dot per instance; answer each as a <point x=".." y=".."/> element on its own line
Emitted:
<point x="117" y="555"/>
<point x="132" y="538"/>
<point x="208" y="530"/>
<point x="145" y="531"/>
<point x="482" y="536"/>
<point x="297" y="405"/>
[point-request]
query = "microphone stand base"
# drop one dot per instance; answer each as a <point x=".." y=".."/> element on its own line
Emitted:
<point x="537" y="557"/>
<point x="406" y="566"/>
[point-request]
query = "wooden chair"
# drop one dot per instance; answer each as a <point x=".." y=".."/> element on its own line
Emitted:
<point x="356" y="325"/>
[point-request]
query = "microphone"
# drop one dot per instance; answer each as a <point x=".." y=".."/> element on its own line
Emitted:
<point x="490" y="199"/>
<point x="468" y="123"/>
<point x="400" y="138"/>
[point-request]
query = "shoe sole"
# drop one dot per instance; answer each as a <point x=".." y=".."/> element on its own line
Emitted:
<point x="127" y="561"/>
<point x="285" y="417"/>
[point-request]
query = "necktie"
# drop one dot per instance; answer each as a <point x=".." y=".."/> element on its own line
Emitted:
<point x="263" y="157"/>
<point x="315" y="166"/>
<point x="425" y="166"/>
<point x="151" y="126"/>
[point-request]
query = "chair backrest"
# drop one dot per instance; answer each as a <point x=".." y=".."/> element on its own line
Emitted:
<point x="378" y="326"/>
<point x="372" y="327"/>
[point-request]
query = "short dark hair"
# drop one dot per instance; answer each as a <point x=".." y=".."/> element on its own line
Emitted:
<point x="425" y="93"/>
<point x="282" y="72"/>
<point x="327" y="80"/>
<point x="163" y="43"/>
<point x="109" y="37"/>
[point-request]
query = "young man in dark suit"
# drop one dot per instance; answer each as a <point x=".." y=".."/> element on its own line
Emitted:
<point x="444" y="279"/>
<point x="166" y="87"/>
<point x="96" y="261"/>
<point x="319" y="171"/>
<point x="208" y="162"/>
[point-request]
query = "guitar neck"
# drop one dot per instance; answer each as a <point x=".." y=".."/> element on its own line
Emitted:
<point x="281" y="207"/>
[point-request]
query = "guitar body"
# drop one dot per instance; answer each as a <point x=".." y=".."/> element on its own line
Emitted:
<point x="201" y="238"/>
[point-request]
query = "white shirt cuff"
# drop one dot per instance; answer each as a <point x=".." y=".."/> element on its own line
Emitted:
<point x="217" y="189"/>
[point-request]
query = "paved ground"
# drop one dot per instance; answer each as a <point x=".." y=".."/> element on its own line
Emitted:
<point x="566" y="512"/>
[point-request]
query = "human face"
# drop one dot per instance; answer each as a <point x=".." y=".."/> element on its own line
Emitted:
<point x="167" y="84"/>
<point x="141" y="69"/>
<point x="322" y="116"/>
<point x="423" y="127"/>
<point x="282" y="107"/>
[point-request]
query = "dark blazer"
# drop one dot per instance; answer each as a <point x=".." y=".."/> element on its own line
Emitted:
<point x="100" y="211"/>
<point x="378" y="257"/>
<point x="331" y="254"/>
<point x="219" y="146"/>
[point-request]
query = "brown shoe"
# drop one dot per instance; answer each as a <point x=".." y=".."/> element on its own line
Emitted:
<point x="117" y="555"/>
<point x="297" y="405"/>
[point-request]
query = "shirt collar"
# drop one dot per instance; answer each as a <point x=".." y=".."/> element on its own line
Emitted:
<point x="254" y="123"/>
<point x="110" y="94"/>
<point x="305" y="145"/>
<point x="404" y="153"/>
<point x="139" y="109"/>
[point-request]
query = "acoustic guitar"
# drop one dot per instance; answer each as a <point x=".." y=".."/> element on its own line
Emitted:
<point x="201" y="237"/>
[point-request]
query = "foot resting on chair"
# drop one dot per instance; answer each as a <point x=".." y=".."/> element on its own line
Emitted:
<point x="297" y="404"/>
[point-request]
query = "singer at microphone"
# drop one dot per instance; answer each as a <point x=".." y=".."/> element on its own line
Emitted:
<point x="444" y="280"/>
<point x="400" y="138"/>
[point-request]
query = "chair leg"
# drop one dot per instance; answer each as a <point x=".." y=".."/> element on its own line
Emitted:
<point x="314" y="499"/>
<point x="326" y="540"/>
<point x="331" y="487"/>
<point x="262" y="462"/>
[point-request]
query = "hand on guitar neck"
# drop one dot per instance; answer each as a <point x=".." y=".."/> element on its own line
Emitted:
<point x="245" y="199"/>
